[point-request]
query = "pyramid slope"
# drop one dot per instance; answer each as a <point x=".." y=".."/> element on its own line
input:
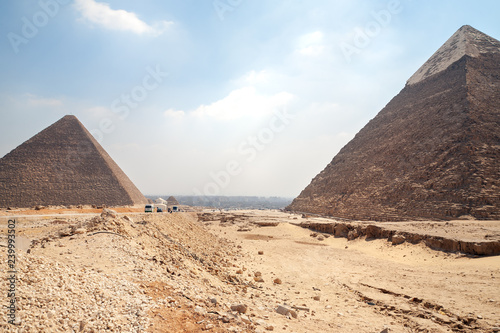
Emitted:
<point x="433" y="152"/>
<point x="64" y="165"/>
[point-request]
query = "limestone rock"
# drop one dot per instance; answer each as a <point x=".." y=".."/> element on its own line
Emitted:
<point x="353" y="234"/>
<point x="286" y="311"/>
<point x="240" y="308"/>
<point x="199" y="309"/>
<point x="398" y="239"/>
<point x="108" y="213"/>
<point x="245" y="319"/>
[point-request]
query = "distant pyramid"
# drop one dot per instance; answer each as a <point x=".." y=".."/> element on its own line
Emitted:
<point x="172" y="201"/>
<point x="64" y="165"/>
<point x="433" y="152"/>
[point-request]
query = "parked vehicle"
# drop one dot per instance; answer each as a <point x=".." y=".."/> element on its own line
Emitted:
<point x="149" y="208"/>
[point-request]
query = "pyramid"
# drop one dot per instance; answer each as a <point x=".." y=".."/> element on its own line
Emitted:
<point x="172" y="201"/>
<point x="64" y="165"/>
<point x="433" y="152"/>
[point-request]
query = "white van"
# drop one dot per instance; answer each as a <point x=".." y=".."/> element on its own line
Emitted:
<point x="149" y="208"/>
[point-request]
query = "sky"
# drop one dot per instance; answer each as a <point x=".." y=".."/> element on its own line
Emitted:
<point x="217" y="97"/>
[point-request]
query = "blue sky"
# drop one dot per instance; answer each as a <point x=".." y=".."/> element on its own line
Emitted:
<point x="224" y="97"/>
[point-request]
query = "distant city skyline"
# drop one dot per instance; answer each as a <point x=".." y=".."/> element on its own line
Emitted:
<point x="250" y="98"/>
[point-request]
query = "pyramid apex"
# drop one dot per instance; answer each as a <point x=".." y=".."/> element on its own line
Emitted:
<point x="69" y="116"/>
<point x="466" y="41"/>
<point x="467" y="27"/>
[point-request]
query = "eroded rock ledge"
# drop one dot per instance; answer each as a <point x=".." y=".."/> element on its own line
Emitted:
<point x="370" y="231"/>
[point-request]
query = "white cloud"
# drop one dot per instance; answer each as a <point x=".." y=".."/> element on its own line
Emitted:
<point x="254" y="77"/>
<point x="311" y="44"/>
<point x="40" y="101"/>
<point x="119" y="19"/>
<point x="244" y="102"/>
<point x="171" y="113"/>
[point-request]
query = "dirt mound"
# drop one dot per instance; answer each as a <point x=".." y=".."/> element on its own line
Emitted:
<point x="124" y="273"/>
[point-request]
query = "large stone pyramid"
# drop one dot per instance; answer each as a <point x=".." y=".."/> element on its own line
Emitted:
<point x="433" y="152"/>
<point x="64" y="165"/>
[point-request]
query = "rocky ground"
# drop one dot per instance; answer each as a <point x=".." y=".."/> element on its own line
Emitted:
<point x="244" y="271"/>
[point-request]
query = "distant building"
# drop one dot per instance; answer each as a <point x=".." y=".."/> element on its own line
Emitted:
<point x="161" y="201"/>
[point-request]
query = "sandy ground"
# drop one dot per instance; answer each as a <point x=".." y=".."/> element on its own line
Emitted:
<point x="411" y="286"/>
<point x="173" y="273"/>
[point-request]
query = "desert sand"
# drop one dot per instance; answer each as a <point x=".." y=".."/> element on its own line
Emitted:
<point x="136" y="272"/>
